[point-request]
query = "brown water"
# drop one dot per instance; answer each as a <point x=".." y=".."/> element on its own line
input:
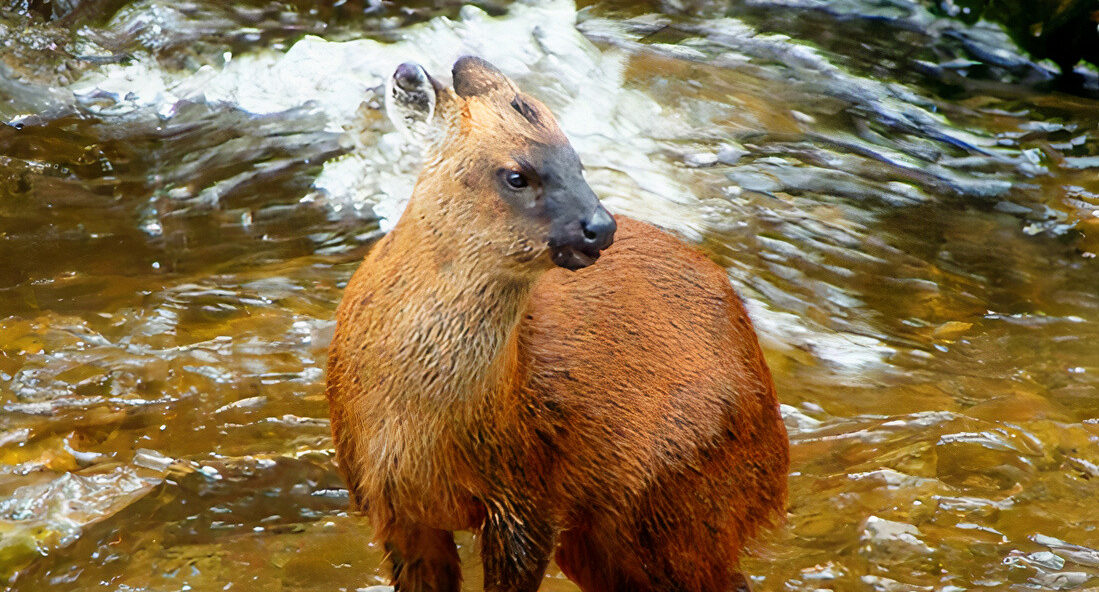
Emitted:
<point x="909" y="211"/>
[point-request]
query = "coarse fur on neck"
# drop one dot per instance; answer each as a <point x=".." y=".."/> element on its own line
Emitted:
<point x="451" y="317"/>
<point x="439" y="356"/>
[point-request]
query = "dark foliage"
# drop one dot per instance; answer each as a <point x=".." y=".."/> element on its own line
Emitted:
<point x="1064" y="31"/>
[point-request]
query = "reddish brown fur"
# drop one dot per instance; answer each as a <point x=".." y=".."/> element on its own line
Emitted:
<point x="621" y="415"/>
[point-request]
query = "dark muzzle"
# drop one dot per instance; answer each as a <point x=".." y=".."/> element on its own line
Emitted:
<point x="578" y="242"/>
<point x="580" y="227"/>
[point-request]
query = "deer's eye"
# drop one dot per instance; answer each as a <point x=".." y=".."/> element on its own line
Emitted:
<point x="516" y="180"/>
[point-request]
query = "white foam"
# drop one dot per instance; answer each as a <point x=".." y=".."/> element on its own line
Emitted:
<point x="615" y="129"/>
<point x="537" y="43"/>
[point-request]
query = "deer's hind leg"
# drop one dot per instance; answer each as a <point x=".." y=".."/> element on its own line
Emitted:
<point x="597" y="569"/>
<point x="593" y="560"/>
<point x="422" y="559"/>
<point x="585" y="564"/>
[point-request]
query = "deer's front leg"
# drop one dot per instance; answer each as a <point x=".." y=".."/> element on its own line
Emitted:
<point x="515" y="550"/>
<point x="422" y="559"/>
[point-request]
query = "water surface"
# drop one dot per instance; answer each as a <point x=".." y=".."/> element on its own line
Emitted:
<point x="908" y="208"/>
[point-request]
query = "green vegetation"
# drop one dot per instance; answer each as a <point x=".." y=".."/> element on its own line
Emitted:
<point x="1064" y="31"/>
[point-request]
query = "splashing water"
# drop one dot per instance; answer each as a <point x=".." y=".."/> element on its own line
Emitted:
<point x="907" y="213"/>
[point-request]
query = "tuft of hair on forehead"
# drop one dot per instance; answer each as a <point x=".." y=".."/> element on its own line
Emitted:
<point x="528" y="111"/>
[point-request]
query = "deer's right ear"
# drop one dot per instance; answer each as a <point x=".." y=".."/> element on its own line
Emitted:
<point x="410" y="100"/>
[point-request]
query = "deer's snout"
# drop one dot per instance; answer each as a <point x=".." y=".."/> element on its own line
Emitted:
<point x="580" y="226"/>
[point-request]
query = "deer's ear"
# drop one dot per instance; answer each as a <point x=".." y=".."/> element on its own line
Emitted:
<point x="474" y="76"/>
<point x="410" y="98"/>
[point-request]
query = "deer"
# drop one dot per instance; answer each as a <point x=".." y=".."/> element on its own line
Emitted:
<point x="512" y="360"/>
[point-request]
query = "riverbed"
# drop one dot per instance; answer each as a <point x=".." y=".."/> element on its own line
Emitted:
<point x="908" y="206"/>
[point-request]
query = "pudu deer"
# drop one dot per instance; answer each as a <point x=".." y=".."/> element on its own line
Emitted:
<point x="499" y="366"/>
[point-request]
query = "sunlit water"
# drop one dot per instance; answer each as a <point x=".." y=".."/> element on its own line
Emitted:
<point x="910" y="214"/>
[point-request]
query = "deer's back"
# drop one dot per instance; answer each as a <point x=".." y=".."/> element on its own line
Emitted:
<point x="646" y="365"/>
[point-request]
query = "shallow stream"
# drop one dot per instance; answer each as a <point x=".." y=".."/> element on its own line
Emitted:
<point x="910" y="211"/>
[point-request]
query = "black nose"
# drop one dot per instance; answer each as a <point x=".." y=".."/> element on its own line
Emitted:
<point x="575" y="243"/>
<point x="598" y="229"/>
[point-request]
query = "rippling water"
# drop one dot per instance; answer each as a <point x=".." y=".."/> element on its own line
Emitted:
<point x="910" y="213"/>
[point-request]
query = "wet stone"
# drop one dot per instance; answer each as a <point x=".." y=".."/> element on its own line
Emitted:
<point x="885" y="542"/>
<point x="1046" y="560"/>
<point x="731" y="153"/>
<point x="1004" y="464"/>
<point x="883" y="584"/>
<point x="700" y="159"/>
<point x="1064" y="580"/>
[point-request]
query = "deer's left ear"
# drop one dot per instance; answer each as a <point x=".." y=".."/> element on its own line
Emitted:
<point x="410" y="99"/>
<point x="474" y="76"/>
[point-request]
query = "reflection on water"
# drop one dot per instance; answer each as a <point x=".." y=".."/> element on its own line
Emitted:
<point x="910" y="215"/>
